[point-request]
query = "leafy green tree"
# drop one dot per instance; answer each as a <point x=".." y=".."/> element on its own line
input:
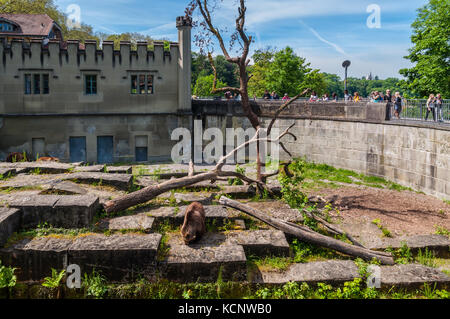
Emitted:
<point x="315" y="81"/>
<point x="204" y="85"/>
<point x="259" y="70"/>
<point x="431" y="51"/>
<point x="334" y="84"/>
<point x="287" y="72"/>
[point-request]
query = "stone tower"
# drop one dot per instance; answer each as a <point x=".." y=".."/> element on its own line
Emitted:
<point x="184" y="27"/>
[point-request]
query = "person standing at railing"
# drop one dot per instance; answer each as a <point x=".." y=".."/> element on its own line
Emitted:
<point x="388" y="100"/>
<point x="398" y="105"/>
<point x="439" y="110"/>
<point x="356" y="97"/>
<point x="431" y="107"/>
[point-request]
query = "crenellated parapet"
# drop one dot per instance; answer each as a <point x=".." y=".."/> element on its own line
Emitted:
<point x="75" y="53"/>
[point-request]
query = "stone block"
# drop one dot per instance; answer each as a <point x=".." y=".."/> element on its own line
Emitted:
<point x="203" y="263"/>
<point x="261" y="242"/>
<point x="140" y="222"/>
<point x="119" y="169"/>
<point x="35" y="209"/>
<point x="9" y="223"/>
<point x="74" y="211"/>
<point x="413" y="276"/>
<point x="120" y="258"/>
<point x="92" y="169"/>
<point x="121" y="181"/>
<point x="331" y="272"/>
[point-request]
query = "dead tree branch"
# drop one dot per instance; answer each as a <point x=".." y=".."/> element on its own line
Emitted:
<point x="308" y="235"/>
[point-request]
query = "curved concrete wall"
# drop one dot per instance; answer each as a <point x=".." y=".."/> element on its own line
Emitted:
<point x="413" y="156"/>
<point x="355" y="137"/>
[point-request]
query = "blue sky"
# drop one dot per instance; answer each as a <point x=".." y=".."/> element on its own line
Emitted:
<point x="325" y="32"/>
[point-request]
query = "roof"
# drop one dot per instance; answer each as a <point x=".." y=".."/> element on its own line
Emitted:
<point x="30" y="24"/>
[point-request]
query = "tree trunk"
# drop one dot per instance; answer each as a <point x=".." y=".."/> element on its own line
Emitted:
<point x="148" y="193"/>
<point x="309" y="235"/>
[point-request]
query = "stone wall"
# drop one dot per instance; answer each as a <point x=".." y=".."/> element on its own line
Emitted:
<point x="354" y="137"/>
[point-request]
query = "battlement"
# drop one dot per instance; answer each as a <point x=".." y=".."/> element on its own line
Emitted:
<point x="70" y="51"/>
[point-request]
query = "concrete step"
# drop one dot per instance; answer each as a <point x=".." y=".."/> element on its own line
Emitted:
<point x="140" y="222"/>
<point x="9" y="223"/>
<point x="64" y="188"/>
<point x="260" y="242"/>
<point x="42" y="167"/>
<point x="336" y="272"/>
<point x="120" y="181"/>
<point x="7" y="171"/>
<point x="119" y="169"/>
<point x="92" y="169"/>
<point x="203" y="263"/>
<point x="438" y="244"/>
<point x="175" y="215"/>
<point x="120" y="258"/>
<point x="57" y="210"/>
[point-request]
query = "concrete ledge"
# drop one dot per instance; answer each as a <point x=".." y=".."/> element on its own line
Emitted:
<point x="260" y="242"/>
<point x="413" y="276"/>
<point x="57" y="210"/>
<point x="330" y="272"/>
<point x="140" y="222"/>
<point x="119" y="169"/>
<point x="121" y="181"/>
<point x="9" y="223"/>
<point x="7" y="171"/>
<point x="43" y="167"/>
<point x="119" y="257"/>
<point x="438" y="244"/>
<point x="91" y="169"/>
<point x="203" y="264"/>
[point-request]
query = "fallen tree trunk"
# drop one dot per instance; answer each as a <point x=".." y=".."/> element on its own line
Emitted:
<point x="307" y="235"/>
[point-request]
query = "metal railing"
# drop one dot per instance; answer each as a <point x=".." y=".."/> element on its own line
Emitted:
<point x="417" y="110"/>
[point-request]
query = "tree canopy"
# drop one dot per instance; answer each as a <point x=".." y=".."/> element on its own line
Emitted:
<point x="431" y="51"/>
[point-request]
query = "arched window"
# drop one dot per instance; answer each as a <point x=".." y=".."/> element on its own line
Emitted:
<point x="5" y="26"/>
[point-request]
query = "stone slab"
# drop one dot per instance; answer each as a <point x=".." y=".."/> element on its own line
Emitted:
<point x="120" y="258"/>
<point x="201" y="263"/>
<point x="438" y="244"/>
<point x="9" y="223"/>
<point x="36" y="209"/>
<point x="121" y="181"/>
<point x="7" y="171"/>
<point x="413" y="276"/>
<point x="65" y="188"/>
<point x="119" y="169"/>
<point x="187" y="198"/>
<point x="330" y="272"/>
<point x="74" y="211"/>
<point x="140" y="222"/>
<point x="239" y="192"/>
<point x="261" y="242"/>
<point x="92" y="169"/>
<point x="175" y="215"/>
<point x="34" y="258"/>
<point x="57" y="210"/>
<point x="43" y="167"/>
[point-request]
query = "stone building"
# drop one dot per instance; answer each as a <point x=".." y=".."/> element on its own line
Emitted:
<point x="96" y="105"/>
<point x="29" y="26"/>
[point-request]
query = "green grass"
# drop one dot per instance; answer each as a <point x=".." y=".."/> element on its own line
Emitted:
<point x="323" y="175"/>
<point x="385" y="231"/>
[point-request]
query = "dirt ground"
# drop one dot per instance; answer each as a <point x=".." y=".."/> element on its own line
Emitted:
<point x="401" y="212"/>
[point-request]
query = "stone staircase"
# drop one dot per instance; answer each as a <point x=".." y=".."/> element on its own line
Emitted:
<point x="133" y="247"/>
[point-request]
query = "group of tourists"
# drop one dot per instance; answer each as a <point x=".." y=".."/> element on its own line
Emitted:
<point x="434" y="106"/>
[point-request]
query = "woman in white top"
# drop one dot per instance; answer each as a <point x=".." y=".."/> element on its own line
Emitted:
<point x="430" y="107"/>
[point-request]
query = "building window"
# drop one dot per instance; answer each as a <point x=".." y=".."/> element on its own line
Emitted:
<point x="145" y="84"/>
<point x="134" y="84"/>
<point x="27" y="83"/>
<point x="36" y="84"/>
<point x="45" y="84"/>
<point x="90" y="84"/>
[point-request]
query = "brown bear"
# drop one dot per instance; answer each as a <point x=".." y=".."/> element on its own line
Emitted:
<point x="16" y="157"/>
<point x="194" y="226"/>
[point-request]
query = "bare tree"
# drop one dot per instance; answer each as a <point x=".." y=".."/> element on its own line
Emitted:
<point x="240" y="36"/>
